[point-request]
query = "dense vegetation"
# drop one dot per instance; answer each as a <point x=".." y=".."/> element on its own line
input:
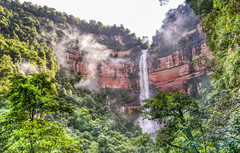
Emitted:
<point x="32" y="23"/>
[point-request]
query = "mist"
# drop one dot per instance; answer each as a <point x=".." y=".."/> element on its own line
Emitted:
<point x="177" y="24"/>
<point x="90" y="51"/>
<point x="28" y="68"/>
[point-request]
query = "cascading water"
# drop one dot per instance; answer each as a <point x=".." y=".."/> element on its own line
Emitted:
<point x="144" y="85"/>
<point x="148" y="126"/>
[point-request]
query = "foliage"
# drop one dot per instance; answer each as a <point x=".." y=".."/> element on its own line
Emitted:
<point x="183" y="130"/>
<point x="27" y="22"/>
<point x="38" y="115"/>
<point x="97" y="119"/>
<point x="34" y="116"/>
<point x="223" y="41"/>
<point x="42" y="136"/>
<point x="24" y="128"/>
<point x="220" y="21"/>
<point x="201" y="7"/>
<point x="6" y="67"/>
<point x="35" y="96"/>
<point x="145" y="144"/>
<point x="204" y="61"/>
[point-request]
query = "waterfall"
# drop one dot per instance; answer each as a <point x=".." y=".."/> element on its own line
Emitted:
<point x="144" y="85"/>
<point x="148" y="126"/>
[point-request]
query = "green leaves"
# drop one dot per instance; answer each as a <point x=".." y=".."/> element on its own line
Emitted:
<point x="6" y="69"/>
<point x="43" y="136"/>
<point x="182" y="130"/>
<point x="201" y="7"/>
<point x="221" y="25"/>
<point x="170" y="104"/>
<point x="35" y="96"/>
<point x="24" y="128"/>
<point x="222" y="42"/>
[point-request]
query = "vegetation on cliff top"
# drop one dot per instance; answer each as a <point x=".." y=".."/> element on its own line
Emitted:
<point x="27" y="22"/>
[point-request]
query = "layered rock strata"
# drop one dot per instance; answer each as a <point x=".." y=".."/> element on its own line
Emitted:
<point x="175" y="70"/>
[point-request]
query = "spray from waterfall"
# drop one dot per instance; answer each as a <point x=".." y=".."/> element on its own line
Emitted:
<point x="148" y="126"/>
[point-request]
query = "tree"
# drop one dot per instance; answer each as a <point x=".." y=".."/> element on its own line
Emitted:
<point x="220" y="22"/>
<point x="6" y="69"/>
<point x="24" y="128"/>
<point x="183" y="130"/>
<point x="35" y="96"/>
<point x="201" y="7"/>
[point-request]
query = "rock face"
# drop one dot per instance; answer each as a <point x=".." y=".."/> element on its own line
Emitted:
<point x="165" y="72"/>
<point x="115" y="76"/>
<point x="176" y="45"/>
<point x="175" y="70"/>
<point x="117" y="73"/>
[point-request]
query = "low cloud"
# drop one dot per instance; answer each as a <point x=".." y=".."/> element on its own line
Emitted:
<point x="91" y="52"/>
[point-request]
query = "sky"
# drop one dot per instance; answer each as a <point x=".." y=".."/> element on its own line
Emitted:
<point x="143" y="17"/>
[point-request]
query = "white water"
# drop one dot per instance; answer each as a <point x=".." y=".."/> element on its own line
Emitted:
<point x="148" y="126"/>
<point x="144" y="85"/>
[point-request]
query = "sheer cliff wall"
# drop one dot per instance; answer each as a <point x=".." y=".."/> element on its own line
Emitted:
<point x="175" y="71"/>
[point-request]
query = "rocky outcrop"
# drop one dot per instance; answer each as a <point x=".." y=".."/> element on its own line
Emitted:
<point x="175" y="70"/>
<point x="175" y="46"/>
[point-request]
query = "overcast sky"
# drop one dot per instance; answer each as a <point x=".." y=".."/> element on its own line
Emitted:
<point x="142" y="17"/>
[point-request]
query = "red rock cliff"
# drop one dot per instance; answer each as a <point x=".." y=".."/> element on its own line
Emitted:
<point x="176" y="70"/>
<point x="166" y="72"/>
<point x="115" y="73"/>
